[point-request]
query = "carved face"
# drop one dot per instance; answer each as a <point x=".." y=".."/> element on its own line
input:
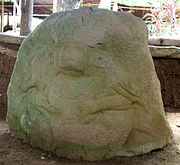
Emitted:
<point x="86" y="90"/>
<point x="85" y="87"/>
<point x="96" y="92"/>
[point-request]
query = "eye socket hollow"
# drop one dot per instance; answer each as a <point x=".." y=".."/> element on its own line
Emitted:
<point x="99" y="43"/>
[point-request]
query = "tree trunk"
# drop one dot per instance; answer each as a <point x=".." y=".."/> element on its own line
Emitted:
<point x="57" y="5"/>
<point x="105" y="4"/>
<point x="71" y="4"/>
<point x="62" y="5"/>
<point x="26" y="17"/>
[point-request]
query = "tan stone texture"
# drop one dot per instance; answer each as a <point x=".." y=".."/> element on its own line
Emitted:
<point x="84" y="87"/>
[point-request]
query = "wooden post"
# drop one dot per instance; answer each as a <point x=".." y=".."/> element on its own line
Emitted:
<point x="115" y="7"/>
<point x="19" y="8"/>
<point x="14" y="16"/>
<point x="2" y="16"/>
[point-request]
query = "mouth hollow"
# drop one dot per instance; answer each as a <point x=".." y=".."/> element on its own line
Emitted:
<point x="108" y="110"/>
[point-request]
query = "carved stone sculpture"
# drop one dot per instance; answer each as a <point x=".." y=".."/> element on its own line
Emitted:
<point x="84" y="87"/>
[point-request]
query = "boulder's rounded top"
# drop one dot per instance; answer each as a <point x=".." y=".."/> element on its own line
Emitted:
<point x="92" y="24"/>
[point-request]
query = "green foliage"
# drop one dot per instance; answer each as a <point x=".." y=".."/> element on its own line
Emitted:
<point x="150" y="3"/>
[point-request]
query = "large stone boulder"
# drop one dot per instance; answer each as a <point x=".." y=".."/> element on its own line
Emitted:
<point x="84" y="87"/>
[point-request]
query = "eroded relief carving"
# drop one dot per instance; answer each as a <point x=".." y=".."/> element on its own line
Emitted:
<point x="90" y="91"/>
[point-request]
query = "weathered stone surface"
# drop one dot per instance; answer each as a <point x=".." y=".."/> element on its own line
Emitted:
<point x="84" y="86"/>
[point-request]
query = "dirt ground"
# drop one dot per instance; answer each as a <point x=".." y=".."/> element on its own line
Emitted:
<point x="7" y="60"/>
<point x="15" y="151"/>
<point x="168" y="72"/>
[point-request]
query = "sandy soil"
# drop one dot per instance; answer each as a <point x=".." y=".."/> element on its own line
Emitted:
<point x="14" y="151"/>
